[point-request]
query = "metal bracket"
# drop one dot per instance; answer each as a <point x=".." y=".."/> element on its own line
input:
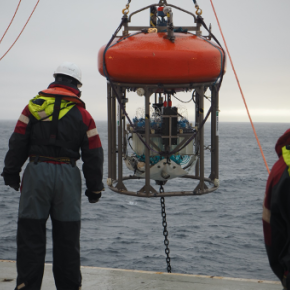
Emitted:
<point x="151" y="190"/>
<point x="200" y="188"/>
<point x="120" y="186"/>
<point x="209" y="35"/>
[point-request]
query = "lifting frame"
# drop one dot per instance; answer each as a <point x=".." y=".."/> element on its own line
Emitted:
<point x="117" y="148"/>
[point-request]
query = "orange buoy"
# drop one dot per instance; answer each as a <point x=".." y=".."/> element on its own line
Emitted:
<point x="153" y="59"/>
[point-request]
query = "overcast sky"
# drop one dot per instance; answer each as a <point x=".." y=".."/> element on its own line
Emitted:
<point x="256" y="32"/>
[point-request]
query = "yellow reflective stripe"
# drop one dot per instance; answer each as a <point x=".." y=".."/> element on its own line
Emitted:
<point x="92" y="133"/>
<point x="21" y="286"/>
<point x="24" y="119"/>
<point x="42" y="115"/>
<point x="266" y="214"/>
<point x="286" y="157"/>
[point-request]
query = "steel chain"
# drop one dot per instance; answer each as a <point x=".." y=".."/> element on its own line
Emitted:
<point x="165" y="232"/>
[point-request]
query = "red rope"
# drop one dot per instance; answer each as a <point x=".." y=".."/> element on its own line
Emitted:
<point x="21" y="30"/>
<point x="240" y="89"/>
<point x="11" y="21"/>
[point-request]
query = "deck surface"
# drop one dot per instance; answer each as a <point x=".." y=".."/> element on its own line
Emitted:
<point x="117" y="279"/>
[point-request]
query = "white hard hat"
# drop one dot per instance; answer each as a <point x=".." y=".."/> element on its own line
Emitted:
<point x="70" y="69"/>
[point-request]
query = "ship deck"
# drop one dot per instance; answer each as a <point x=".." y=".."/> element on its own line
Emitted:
<point x="110" y="279"/>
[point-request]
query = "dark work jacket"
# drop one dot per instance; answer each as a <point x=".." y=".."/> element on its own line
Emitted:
<point x="276" y="210"/>
<point x="76" y="127"/>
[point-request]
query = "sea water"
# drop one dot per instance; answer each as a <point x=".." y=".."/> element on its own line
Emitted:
<point x="216" y="234"/>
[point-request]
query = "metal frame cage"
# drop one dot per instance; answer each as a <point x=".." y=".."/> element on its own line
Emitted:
<point x="117" y="142"/>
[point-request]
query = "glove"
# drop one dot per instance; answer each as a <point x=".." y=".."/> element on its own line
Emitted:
<point x="93" y="196"/>
<point x="15" y="186"/>
<point x="13" y="180"/>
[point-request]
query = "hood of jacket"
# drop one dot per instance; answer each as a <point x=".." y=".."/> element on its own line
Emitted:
<point x="282" y="141"/>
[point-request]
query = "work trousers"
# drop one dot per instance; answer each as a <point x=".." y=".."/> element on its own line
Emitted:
<point x="49" y="190"/>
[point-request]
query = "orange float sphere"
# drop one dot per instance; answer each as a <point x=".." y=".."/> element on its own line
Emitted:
<point x="152" y="59"/>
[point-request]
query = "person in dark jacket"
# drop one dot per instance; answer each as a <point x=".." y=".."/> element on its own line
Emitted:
<point x="276" y="212"/>
<point x="51" y="131"/>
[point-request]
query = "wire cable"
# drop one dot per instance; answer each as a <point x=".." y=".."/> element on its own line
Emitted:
<point x="267" y="167"/>
<point x="184" y="102"/>
<point x="21" y="30"/>
<point x="11" y="21"/>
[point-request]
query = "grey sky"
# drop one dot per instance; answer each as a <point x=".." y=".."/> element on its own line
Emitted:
<point x="65" y="30"/>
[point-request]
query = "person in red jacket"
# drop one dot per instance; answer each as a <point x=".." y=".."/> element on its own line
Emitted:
<point x="51" y="131"/>
<point x="276" y="212"/>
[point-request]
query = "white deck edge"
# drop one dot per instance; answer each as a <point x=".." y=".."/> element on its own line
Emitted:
<point x="175" y="274"/>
